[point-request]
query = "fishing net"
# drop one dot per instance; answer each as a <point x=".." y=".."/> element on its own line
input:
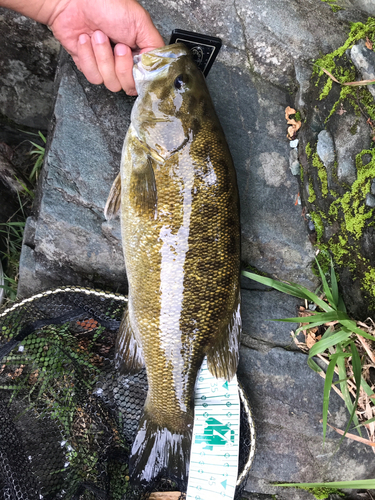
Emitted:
<point x="67" y="419"/>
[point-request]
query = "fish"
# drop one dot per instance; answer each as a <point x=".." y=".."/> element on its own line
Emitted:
<point x="180" y="223"/>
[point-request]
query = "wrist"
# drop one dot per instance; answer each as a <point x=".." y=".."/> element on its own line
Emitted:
<point x="43" y="11"/>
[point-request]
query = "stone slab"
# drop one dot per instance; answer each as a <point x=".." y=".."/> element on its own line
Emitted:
<point x="286" y="398"/>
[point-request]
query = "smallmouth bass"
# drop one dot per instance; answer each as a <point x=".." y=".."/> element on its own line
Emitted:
<point x="178" y="201"/>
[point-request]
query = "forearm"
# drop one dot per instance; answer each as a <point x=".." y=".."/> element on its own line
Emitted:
<point x="43" y="11"/>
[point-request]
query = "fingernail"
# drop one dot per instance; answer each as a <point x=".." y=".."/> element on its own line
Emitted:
<point x="121" y="49"/>
<point x="99" y="37"/>
<point x="83" y="38"/>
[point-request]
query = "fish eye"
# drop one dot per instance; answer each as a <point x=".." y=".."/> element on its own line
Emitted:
<point x="179" y="82"/>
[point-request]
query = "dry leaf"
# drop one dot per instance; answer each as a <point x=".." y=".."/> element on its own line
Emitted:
<point x="33" y="379"/>
<point x="368" y="43"/>
<point x="310" y="340"/>
<point x="17" y="373"/>
<point x="294" y="125"/>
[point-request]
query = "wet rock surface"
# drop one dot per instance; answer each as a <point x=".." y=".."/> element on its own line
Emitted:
<point x="28" y="60"/>
<point x="264" y="66"/>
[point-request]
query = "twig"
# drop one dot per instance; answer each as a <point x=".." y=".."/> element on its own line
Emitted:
<point x="366" y="347"/>
<point x="352" y="436"/>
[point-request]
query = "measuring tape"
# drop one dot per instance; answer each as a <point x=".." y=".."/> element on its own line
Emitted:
<point x="215" y="443"/>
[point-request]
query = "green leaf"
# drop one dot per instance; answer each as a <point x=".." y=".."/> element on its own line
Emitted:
<point x="327" y="391"/>
<point x="361" y="484"/>
<point x="317" y="317"/>
<point x="289" y="288"/>
<point x="370" y="421"/>
<point x="313" y="365"/>
<point x="351" y="325"/>
<point x="42" y="136"/>
<point x="334" y="287"/>
<point x="326" y="288"/>
<point x="325" y="343"/>
<point x="366" y="387"/>
<point x="344" y="387"/>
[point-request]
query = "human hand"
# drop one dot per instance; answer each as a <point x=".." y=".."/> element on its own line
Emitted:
<point x="86" y="29"/>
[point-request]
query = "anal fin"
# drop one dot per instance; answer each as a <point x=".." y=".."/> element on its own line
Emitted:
<point x="129" y="357"/>
<point x="114" y="199"/>
<point x="223" y="356"/>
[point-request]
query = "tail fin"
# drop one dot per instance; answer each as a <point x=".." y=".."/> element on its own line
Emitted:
<point x="158" y="452"/>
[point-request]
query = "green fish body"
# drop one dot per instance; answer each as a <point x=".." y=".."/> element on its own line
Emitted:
<point x="179" y="212"/>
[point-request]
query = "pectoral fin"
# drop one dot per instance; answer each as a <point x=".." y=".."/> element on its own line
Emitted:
<point x="129" y="357"/>
<point x="112" y="206"/>
<point x="222" y="357"/>
<point x="142" y="188"/>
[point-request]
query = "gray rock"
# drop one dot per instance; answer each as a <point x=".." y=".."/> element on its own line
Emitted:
<point x="294" y="165"/>
<point x="364" y="60"/>
<point x="370" y="200"/>
<point x="286" y="398"/>
<point x="373" y="187"/>
<point x="365" y="5"/>
<point x="258" y="309"/>
<point x="325" y="148"/>
<point x="72" y="242"/>
<point x="28" y="59"/>
<point x="350" y="136"/>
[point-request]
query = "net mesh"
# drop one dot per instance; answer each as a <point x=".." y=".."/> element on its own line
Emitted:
<point x="67" y="419"/>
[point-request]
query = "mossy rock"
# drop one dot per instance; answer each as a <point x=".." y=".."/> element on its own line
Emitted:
<point x="336" y="193"/>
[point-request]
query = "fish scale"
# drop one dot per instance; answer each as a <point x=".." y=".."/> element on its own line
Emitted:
<point x="179" y="212"/>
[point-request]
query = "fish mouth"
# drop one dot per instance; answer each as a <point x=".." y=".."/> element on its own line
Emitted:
<point x="149" y="64"/>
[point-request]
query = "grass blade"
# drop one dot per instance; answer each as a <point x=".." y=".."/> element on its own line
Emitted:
<point x="290" y="288"/>
<point x="327" y="390"/>
<point x="366" y="387"/>
<point x="334" y="287"/>
<point x="322" y="318"/>
<point x="344" y="389"/>
<point x="361" y="484"/>
<point x="351" y="325"/>
<point x="326" y="288"/>
<point x="325" y="343"/>
<point x="314" y="366"/>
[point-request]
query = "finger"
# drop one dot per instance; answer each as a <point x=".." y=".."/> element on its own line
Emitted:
<point x="105" y="60"/>
<point x="86" y="60"/>
<point x="124" y="68"/>
<point x="148" y="37"/>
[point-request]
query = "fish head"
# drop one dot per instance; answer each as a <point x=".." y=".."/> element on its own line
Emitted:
<point x="170" y="87"/>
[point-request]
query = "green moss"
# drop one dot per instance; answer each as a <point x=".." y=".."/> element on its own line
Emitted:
<point x="312" y="195"/>
<point x="318" y="223"/>
<point x="343" y="73"/>
<point x="332" y="4"/>
<point x="322" y="173"/>
<point x="348" y="212"/>
<point x="353" y="203"/>
<point x="339" y="248"/>
<point x="354" y="128"/>
<point x="368" y="281"/>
